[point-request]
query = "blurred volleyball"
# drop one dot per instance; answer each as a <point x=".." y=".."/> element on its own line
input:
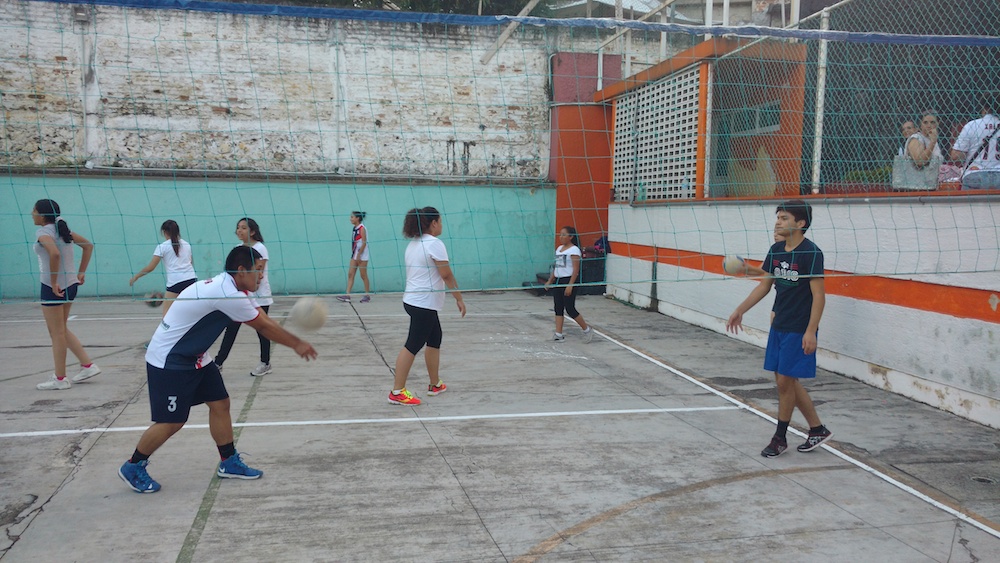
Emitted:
<point x="308" y="313"/>
<point x="734" y="265"/>
<point x="154" y="299"/>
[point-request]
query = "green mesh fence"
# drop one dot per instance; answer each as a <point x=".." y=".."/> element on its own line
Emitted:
<point x="131" y="115"/>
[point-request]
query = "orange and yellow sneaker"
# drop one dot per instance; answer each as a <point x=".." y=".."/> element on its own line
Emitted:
<point x="404" y="397"/>
<point x="437" y="389"/>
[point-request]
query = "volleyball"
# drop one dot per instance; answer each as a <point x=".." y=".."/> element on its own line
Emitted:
<point x="734" y="265"/>
<point x="308" y="313"/>
<point x="154" y="299"/>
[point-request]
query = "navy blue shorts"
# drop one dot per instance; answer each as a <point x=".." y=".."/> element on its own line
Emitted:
<point x="784" y="355"/>
<point x="179" y="287"/>
<point x="172" y="393"/>
<point x="50" y="299"/>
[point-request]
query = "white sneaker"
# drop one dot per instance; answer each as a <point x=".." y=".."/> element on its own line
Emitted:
<point x="54" y="384"/>
<point x="262" y="369"/>
<point x="558" y="337"/>
<point x="588" y="335"/>
<point x="86" y="373"/>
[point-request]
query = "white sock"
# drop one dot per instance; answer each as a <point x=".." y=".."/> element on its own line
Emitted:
<point x="397" y="391"/>
<point x="588" y="329"/>
<point x="559" y="334"/>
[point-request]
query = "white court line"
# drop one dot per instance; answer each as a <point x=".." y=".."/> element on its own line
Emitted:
<point x="857" y="463"/>
<point x="370" y="421"/>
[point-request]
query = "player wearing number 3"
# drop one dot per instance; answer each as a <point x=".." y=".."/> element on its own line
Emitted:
<point x="180" y="372"/>
<point x="795" y="267"/>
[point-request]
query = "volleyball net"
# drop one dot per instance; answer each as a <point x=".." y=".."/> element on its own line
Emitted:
<point x="656" y="138"/>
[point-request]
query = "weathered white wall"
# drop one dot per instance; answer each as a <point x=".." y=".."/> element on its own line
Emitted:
<point x="174" y="89"/>
<point x="951" y="363"/>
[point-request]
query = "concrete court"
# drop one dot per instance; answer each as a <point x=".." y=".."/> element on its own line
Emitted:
<point x="539" y="451"/>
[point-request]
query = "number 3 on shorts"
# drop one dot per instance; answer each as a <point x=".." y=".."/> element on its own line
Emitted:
<point x="172" y="403"/>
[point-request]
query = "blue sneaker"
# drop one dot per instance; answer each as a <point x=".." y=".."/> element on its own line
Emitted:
<point x="233" y="468"/>
<point x="135" y="476"/>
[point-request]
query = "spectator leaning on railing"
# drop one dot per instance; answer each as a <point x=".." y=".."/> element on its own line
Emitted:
<point x="917" y="168"/>
<point x="976" y="148"/>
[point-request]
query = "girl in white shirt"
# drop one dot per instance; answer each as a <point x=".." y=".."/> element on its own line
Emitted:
<point x="249" y="233"/>
<point x="54" y="247"/>
<point x="566" y="273"/>
<point x="359" y="257"/>
<point x="427" y="276"/>
<point x="175" y="253"/>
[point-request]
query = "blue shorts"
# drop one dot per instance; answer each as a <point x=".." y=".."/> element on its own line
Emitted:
<point x="50" y="299"/>
<point x="172" y="393"/>
<point x="784" y="355"/>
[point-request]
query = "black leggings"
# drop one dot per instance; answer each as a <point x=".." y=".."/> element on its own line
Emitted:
<point x="425" y="328"/>
<point x="230" y="337"/>
<point x="564" y="303"/>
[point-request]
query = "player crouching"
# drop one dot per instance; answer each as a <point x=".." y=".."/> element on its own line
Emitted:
<point x="181" y="373"/>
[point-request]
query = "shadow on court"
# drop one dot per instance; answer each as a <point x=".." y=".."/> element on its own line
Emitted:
<point x="642" y="445"/>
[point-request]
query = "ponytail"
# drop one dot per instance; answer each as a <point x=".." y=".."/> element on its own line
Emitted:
<point x="63" y="229"/>
<point x="173" y="230"/>
<point x="49" y="210"/>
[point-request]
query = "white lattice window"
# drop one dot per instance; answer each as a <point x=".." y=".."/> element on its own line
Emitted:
<point x="656" y="139"/>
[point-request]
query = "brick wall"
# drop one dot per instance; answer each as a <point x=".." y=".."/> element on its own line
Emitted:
<point x="172" y="89"/>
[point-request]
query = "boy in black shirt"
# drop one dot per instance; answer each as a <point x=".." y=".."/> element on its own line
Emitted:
<point x="795" y="268"/>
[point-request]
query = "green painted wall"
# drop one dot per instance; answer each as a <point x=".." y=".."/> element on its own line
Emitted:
<point x="497" y="237"/>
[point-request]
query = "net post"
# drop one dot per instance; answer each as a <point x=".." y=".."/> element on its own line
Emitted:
<point x="820" y="102"/>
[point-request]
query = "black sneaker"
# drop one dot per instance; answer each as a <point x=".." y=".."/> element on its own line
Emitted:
<point x="775" y="448"/>
<point x="815" y="440"/>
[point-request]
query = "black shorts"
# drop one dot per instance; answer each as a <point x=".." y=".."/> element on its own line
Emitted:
<point x="50" y="299"/>
<point x="425" y="328"/>
<point x="181" y="286"/>
<point x="172" y="393"/>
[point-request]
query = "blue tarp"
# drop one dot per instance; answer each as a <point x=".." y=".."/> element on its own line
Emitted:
<point x="593" y="23"/>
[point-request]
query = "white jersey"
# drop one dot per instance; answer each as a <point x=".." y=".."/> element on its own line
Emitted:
<point x="424" y="284"/>
<point x="564" y="261"/>
<point x="972" y="137"/>
<point x="195" y="320"/>
<point x="179" y="267"/>
<point x="357" y="240"/>
<point x="263" y="293"/>
<point x="66" y="276"/>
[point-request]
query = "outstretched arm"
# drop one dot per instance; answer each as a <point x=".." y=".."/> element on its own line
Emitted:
<point x="735" y="322"/>
<point x="149" y="268"/>
<point x="274" y="332"/>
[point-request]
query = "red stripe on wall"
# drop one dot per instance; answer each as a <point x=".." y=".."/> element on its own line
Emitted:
<point x="954" y="301"/>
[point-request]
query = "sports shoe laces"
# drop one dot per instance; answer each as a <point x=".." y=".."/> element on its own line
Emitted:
<point x="141" y="476"/>
<point x="237" y="460"/>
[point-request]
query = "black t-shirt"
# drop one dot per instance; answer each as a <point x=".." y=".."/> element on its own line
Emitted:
<point x="791" y="272"/>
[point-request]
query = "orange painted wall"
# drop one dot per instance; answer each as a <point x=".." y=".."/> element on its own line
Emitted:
<point x="962" y="302"/>
<point x="581" y="163"/>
